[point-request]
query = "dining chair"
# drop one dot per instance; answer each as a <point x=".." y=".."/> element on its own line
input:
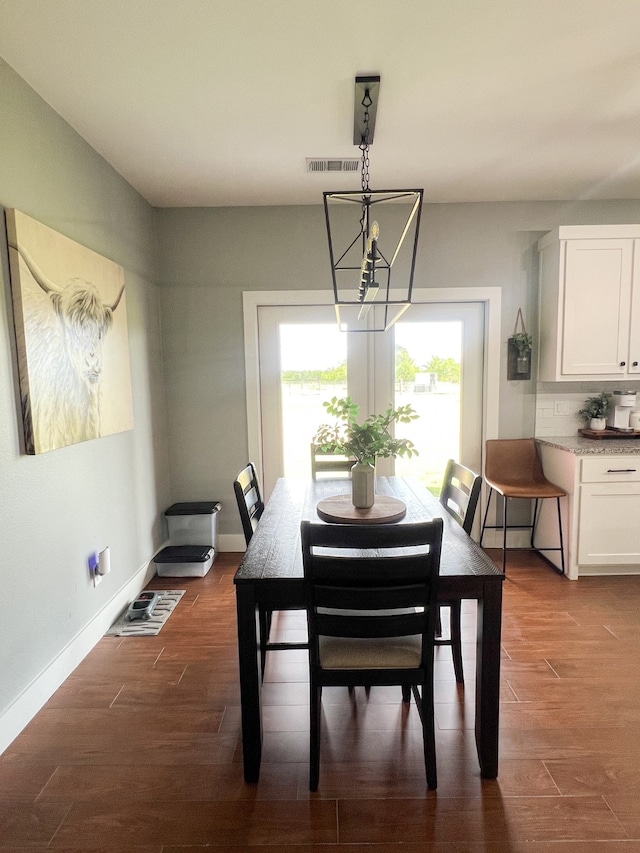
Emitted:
<point x="459" y="496"/>
<point x="329" y="464"/>
<point x="251" y="507"/>
<point x="371" y="593"/>
<point x="249" y="498"/>
<point x="513" y="469"/>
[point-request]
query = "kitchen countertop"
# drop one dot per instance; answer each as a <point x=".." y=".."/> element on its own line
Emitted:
<point x="582" y="446"/>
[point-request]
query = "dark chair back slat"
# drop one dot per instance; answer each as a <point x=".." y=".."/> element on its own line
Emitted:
<point x="329" y="464"/>
<point x="460" y="493"/>
<point x="250" y="504"/>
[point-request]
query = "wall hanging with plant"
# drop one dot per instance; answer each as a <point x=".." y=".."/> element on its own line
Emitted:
<point x="520" y="345"/>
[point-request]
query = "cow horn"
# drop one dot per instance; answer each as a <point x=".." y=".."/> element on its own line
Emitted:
<point x="119" y="297"/>
<point x="46" y="284"/>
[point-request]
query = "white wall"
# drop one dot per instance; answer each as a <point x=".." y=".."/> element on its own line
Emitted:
<point x="58" y="507"/>
<point x="207" y="257"/>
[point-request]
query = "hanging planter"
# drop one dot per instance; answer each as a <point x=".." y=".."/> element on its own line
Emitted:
<point x="519" y="351"/>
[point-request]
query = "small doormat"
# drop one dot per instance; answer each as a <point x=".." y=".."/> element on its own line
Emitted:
<point x="123" y="627"/>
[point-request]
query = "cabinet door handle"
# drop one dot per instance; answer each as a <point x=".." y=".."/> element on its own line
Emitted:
<point x="634" y="363"/>
<point x="622" y="363"/>
<point x="621" y="470"/>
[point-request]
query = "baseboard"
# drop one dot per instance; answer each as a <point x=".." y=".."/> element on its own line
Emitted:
<point x="42" y="688"/>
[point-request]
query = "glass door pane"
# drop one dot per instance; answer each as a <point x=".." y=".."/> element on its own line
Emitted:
<point x="428" y="359"/>
<point x="313" y="361"/>
<point x="303" y="362"/>
<point x="435" y="355"/>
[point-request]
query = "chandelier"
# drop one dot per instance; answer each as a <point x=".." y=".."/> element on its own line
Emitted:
<point x="372" y="271"/>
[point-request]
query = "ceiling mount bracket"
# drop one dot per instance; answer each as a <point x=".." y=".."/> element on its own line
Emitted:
<point x="365" y="107"/>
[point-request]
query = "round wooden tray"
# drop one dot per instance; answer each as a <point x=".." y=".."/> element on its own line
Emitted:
<point x="339" y="509"/>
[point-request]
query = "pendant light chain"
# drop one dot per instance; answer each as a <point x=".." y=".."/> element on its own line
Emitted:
<point x="364" y="144"/>
<point x="364" y="148"/>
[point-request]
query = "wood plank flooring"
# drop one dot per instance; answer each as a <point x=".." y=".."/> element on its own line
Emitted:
<point x="140" y="749"/>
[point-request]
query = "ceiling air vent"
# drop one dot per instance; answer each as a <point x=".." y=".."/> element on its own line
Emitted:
<point x="325" y="164"/>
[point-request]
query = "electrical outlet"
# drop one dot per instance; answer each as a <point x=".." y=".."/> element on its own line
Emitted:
<point x="92" y="563"/>
<point x="561" y="407"/>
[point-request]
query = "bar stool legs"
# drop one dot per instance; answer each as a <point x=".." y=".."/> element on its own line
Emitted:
<point x="505" y="526"/>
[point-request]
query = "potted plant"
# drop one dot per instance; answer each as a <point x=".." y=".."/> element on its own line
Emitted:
<point x="364" y="442"/>
<point x="595" y="411"/>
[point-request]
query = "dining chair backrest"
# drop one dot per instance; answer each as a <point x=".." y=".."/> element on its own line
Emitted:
<point x="512" y="464"/>
<point x="330" y="464"/>
<point x="352" y="593"/>
<point x="250" y="504"/>
<point x="460" y="493"/>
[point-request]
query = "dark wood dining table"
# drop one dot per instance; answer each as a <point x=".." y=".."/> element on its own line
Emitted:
<point x="270" y="576"/>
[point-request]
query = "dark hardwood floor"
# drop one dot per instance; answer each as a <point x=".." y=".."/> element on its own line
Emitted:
<point x="140" y="749"/>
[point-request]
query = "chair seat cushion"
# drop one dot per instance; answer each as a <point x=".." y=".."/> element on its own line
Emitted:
<point x="376" y="653"/>
<point x="526" y="489"/>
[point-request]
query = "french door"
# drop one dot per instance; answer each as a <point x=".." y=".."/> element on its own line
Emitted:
<point x="433" y="358"/>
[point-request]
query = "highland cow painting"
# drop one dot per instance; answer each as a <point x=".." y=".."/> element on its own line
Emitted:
<point x="72" y="339"/>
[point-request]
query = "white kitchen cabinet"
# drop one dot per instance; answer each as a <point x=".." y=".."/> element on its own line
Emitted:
<point x="600" y="512"/>
<point x="589" y="303"/>
<point x="609" y="509"/>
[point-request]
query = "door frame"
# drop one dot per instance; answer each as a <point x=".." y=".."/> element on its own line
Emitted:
<point x="252" y="300"/>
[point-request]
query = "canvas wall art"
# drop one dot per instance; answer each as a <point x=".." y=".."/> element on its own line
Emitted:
<point x="72" y="338"/>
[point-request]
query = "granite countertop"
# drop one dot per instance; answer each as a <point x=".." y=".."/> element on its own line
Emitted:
<point x="582" y="446"/>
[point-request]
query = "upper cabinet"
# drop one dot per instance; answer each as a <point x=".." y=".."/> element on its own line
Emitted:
<point x="589" y="303"/>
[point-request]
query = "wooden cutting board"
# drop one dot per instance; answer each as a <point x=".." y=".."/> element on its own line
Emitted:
<point x="607" y="433"/>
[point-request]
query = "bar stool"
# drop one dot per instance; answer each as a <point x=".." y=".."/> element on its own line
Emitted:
<point x="513" y="469"/>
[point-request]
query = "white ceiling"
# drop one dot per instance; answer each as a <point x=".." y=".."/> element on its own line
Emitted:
<point x="219" y="102"/>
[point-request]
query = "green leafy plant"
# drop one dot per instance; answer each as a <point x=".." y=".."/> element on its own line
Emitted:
<point x="365" y="441"/>
<point x="523" y="342"/>
<point x="595" y="407"/>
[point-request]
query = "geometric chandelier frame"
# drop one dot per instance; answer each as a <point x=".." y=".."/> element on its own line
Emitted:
<point x="372" y="234"/>
<point x="362" y="266"/>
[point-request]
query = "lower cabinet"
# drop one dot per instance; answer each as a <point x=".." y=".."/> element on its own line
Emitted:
<point x="601" y="514"/>
<point x="609" y="515"/>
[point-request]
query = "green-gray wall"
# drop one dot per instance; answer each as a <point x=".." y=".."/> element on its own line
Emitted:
<point x="56" y="508"/>
<point x="208" y="257"/>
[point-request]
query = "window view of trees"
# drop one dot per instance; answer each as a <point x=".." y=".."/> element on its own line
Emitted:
<point x="445" y="370"/>
<point x="329" y="376"/>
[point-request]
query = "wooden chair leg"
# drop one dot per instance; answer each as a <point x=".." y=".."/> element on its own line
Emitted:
<point x="264" y="620"/>
<point x="425" y="704"/>
<point x="456" y="640"/>
<point x="315" y="702"/>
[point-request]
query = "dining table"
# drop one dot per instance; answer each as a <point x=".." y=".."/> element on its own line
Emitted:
<point x="270" y="577"/>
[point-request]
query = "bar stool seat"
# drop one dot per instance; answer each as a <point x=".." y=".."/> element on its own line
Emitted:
<point x="513" y="469"/>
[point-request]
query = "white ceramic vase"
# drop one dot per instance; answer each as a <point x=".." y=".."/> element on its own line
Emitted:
<point x="363" y="481"/>
<point x="598" y="424"/>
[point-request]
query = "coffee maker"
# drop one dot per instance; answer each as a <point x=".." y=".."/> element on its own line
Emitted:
<point x="622" y="404"/>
